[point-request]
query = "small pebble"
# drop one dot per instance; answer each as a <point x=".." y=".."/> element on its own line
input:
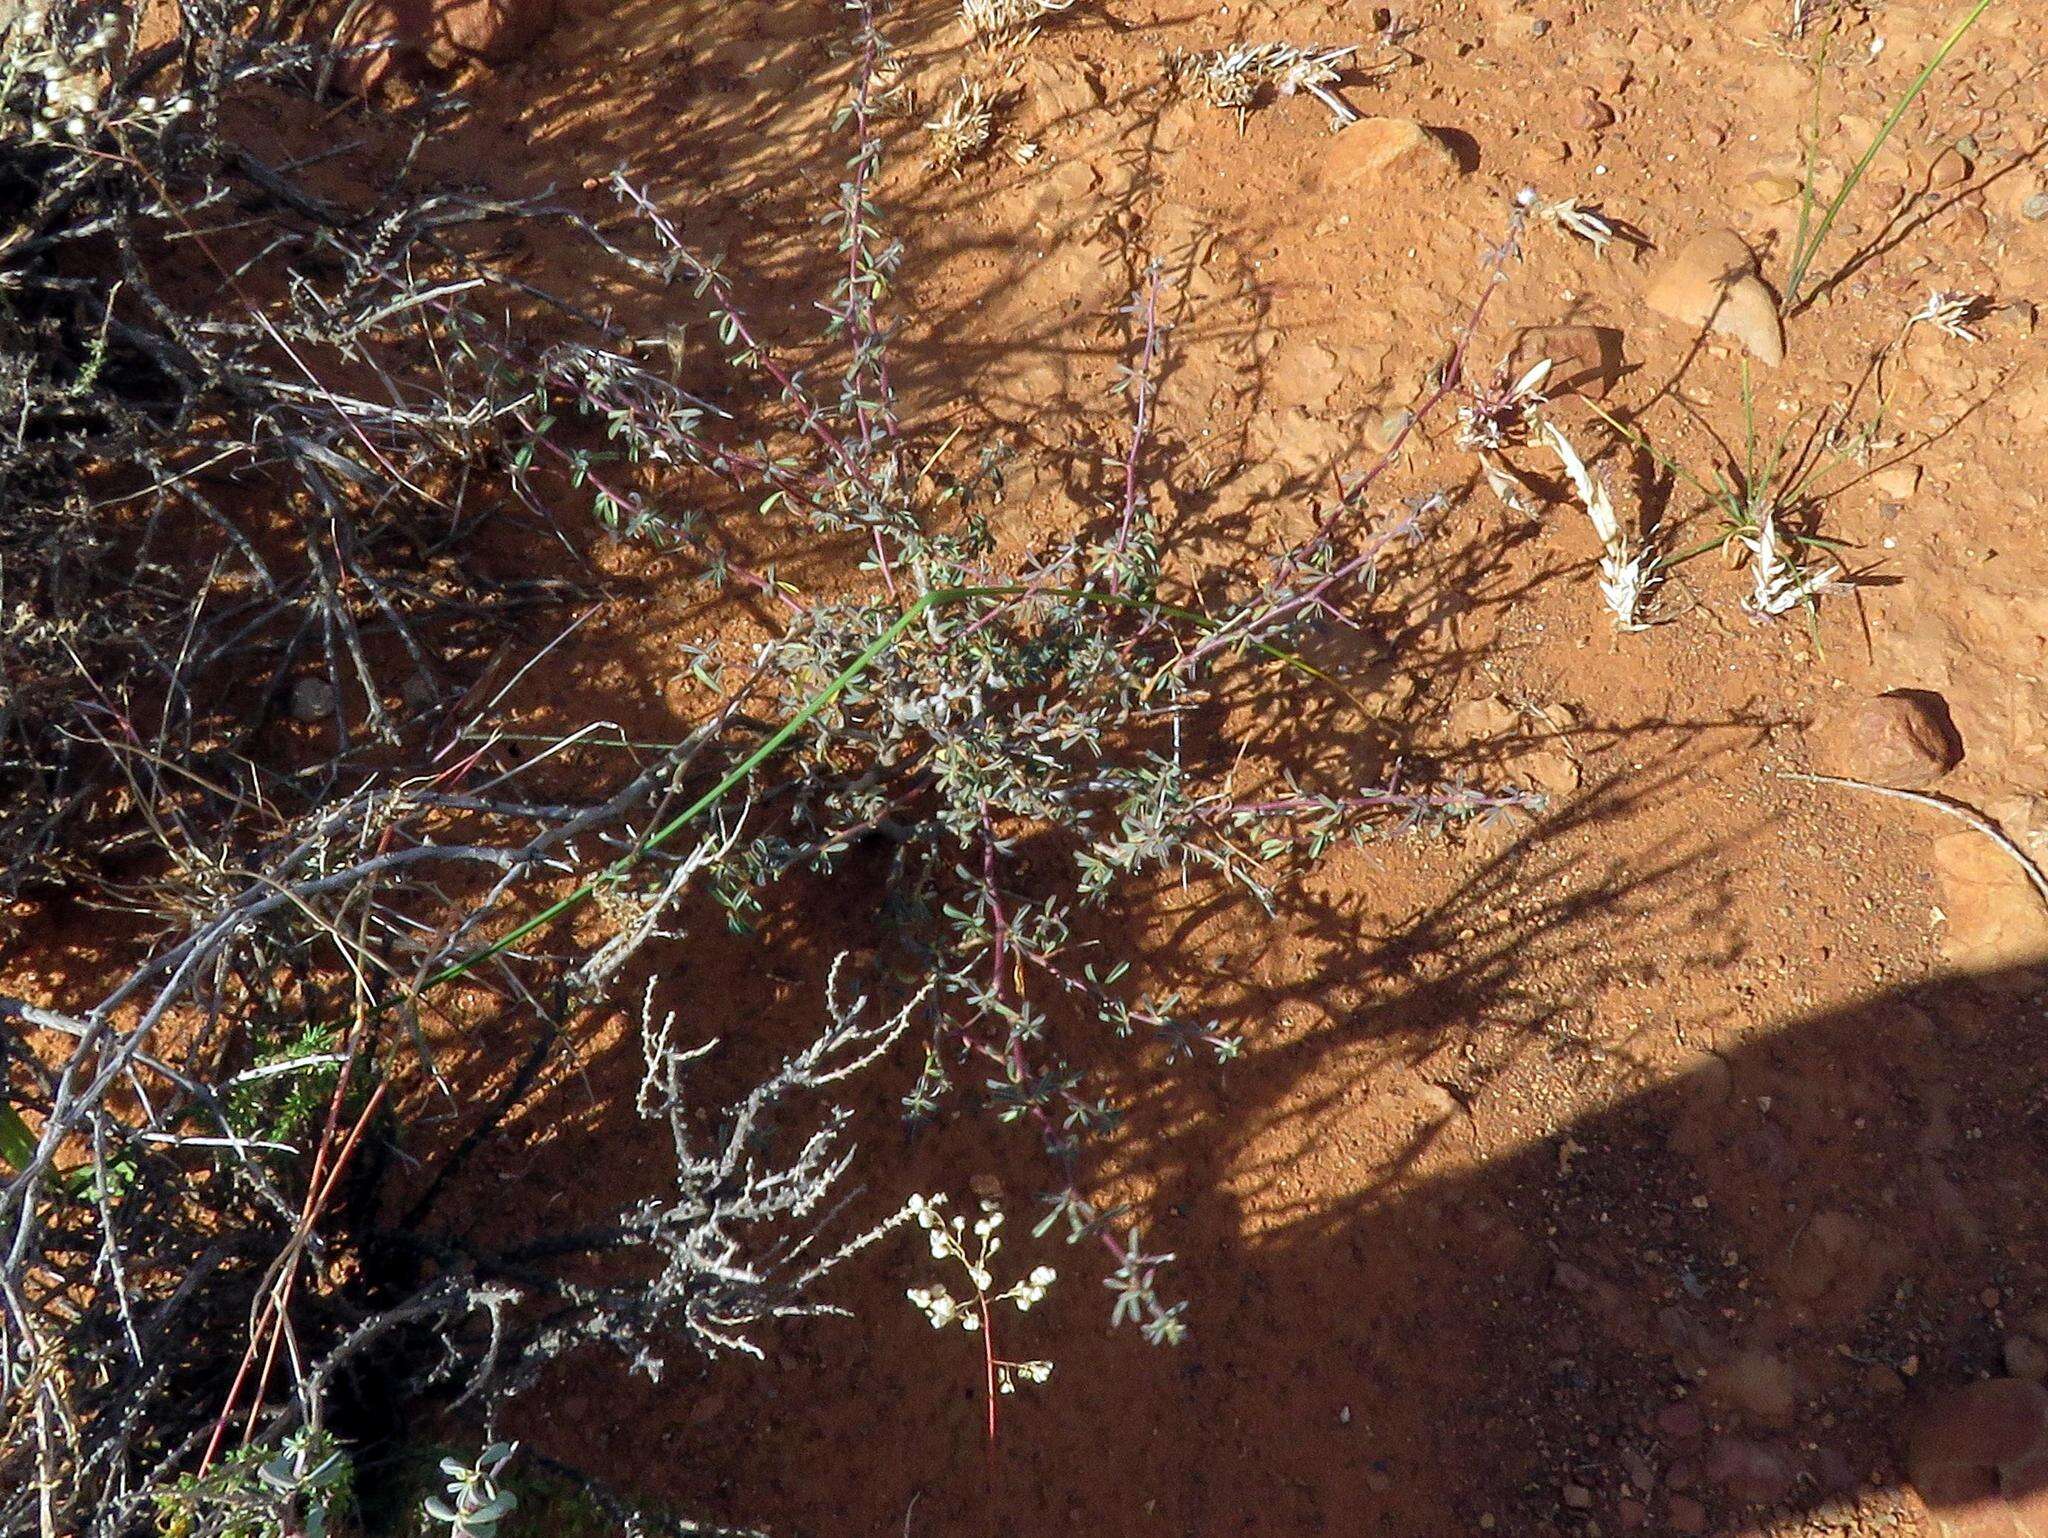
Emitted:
<point x="1578" y="1497"/>
<point x="1589" y="111"/>
<point x="2026" y="1358"/>
<point x="1687" y="1515"/>
<point x="312" y="699"/>
<point x="2035" y="207"/>
<point x="1680" y="1420"/>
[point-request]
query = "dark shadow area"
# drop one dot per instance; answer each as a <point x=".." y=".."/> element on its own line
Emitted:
<point x="1471" y="1244"/>
<point x="1464" y="1252"/>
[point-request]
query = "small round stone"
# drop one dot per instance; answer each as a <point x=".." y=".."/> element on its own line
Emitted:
<point x="312" y="699"/>
<point x="1905" y="738"/>
<point x="2026" y="1358"/>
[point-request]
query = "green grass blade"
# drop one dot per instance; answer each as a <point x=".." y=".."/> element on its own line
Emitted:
<point x="1803" y="257"/>
<point x="17" y="1143"/>
<point x="937" y="598"/>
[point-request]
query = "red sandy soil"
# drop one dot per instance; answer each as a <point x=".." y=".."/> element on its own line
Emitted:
<point x="1637" y="1168"/>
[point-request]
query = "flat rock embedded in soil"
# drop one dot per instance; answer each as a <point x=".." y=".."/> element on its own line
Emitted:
<point x="1711" y="281"/>
<point x="1586" y="360"/>
<point x="1390" y="153"/>
<point x="1993" y="920"/>
<point x="1752" y="1471"/>
<point x="1758" y="1383"/>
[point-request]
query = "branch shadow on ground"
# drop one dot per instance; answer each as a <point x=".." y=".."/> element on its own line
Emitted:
<point x="1709" y="1289"/>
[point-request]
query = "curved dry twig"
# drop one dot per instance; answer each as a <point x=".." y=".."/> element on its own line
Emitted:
<point x="1942" y="804"/>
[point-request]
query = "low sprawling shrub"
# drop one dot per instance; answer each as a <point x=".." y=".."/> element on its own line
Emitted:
<point x="258" y="416"/>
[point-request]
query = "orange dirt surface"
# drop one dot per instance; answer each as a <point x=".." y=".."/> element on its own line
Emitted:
<point x="1641" y="1165"/>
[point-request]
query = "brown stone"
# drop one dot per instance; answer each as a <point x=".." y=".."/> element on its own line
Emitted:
<point x="1758" y="1472"/>
<point x="1903" y="738"/>
<point x="417" y="37"/>
<point x="1383" y="151"/>
<point x="1756" y="1382"/>
<point x="1950" y="169"/>
<point x="1681" y="1420"/>
<point x="2025" y="1358"/>
<point x="1819" y="1256"/>
<point x="1589" y="111"/>
<point x="1773" y="187"/>
<point x="1687" y="1515"/>
<point x="1711" y="282"/>
<point x="1585" y="360"/>
<point x="1979" y="1459"/>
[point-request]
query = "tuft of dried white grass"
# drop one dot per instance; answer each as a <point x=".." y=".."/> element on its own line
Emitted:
<point x="1502" y="416"/>
<point x="1007" y="21"/>
<point x="1626" y="573"/>
<point x="1782" y="584"/>
<point x="1953" y="314"/>
<point x="1236" y="78"/>
<point x="962" y="129"/>
<point x="1575" y="218"/>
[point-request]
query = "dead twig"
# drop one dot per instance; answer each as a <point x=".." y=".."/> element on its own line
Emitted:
<point x="1942" y="804"/>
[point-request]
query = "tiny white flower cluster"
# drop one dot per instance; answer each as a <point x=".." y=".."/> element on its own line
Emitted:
<point x="72" y="74"/>
<point x="939" y="1306"/>
<point x="972" y="1246"/>
<point x="1008" y="1374"/>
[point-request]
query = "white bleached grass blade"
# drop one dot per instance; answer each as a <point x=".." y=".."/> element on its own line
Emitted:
<point x="1625" y="571"/>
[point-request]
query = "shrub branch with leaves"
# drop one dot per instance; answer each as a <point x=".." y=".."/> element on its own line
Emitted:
<point x="194" y="1156"/>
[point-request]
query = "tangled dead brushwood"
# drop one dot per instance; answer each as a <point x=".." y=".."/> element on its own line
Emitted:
<point x="265" y="406"/>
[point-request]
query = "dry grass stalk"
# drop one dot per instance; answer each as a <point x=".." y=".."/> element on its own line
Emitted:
<point x="1782" y="584"/>
<point x="962" y="130"/>
<point x="1008" y="21"/>
<point x="1625" y="571"/>
<point x="1237" y="79"/>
